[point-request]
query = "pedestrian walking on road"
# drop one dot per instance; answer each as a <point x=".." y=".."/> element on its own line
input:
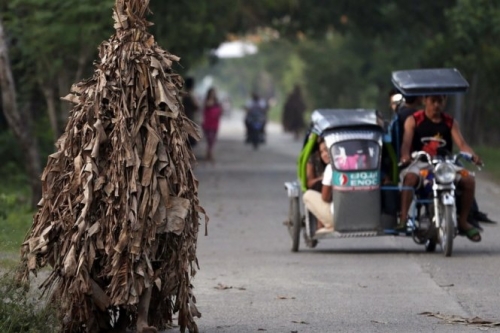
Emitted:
<point x="293" y="113"/>
<point x="190" y="104"/>
<point x="212" y="112"/>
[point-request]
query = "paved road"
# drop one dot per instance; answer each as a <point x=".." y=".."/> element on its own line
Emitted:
<point x="250" y="281"/>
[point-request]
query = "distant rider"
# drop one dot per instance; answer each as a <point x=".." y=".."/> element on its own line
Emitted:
<point x="255" y="107"/>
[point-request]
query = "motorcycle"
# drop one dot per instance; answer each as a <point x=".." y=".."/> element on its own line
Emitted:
<point x="255" y="122"/>
<point x="434" y="205"/>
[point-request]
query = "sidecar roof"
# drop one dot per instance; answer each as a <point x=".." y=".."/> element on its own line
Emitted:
<point x="324" y="119"/>
<point x="434" y="81"/>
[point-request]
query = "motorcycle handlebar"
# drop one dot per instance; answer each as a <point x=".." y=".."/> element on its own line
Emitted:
<point x="466" y="156"/>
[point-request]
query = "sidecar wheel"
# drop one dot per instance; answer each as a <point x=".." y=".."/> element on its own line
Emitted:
<point x="295" y="225"/>
<point x="310" y="243"/>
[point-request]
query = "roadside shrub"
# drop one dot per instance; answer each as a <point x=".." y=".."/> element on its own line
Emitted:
<point x="23" y="312"/>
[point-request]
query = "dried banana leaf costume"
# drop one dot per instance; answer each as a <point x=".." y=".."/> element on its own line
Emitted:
<point x="120" y="210"/>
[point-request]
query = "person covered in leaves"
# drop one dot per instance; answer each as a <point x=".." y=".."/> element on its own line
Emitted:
<point x="318" y="197"/>
<point x="212" y="112"/>
<point x="119" y="216"/>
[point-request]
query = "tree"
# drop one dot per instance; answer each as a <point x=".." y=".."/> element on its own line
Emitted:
<point x="471" y="43"/>
<point x="57" y="51"/>
<point x="17" y="120"/>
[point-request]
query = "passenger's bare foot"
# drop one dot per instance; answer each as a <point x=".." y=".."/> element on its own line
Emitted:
<point x="324" y="230"/>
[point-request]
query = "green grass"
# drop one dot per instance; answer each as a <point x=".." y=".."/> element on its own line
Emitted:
<point x="491" y="159"/>
<point x="274" y="113"/>
<point x="15" y="217"/>
<point x="21" y="312"/>
<point x="9" y="263"/>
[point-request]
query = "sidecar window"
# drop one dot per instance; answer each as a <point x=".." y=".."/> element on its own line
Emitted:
<point x="356" y="155"/>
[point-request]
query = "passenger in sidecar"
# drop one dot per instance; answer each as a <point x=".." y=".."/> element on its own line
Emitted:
<point x="318" y="197"/>
<point x="353" y="139"/>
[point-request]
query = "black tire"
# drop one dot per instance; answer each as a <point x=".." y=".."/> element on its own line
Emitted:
<point x="430" y="245"/>
<point x="432" y="234"/>
<point x="295" y="223"/>
<point x="254" y="139"/>
<point x="447" y="229"/>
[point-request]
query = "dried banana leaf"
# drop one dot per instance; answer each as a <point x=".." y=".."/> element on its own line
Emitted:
<point x="120" y="209"/>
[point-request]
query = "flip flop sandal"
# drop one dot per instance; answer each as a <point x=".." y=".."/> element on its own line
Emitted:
<point x="471" y="234"/>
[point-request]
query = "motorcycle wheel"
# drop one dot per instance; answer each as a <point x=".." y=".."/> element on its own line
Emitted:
<point x="254" y="139"/>
<point x="432" y="237"/>
<point x="294" y="223"/>
<point x="447" y="229"/>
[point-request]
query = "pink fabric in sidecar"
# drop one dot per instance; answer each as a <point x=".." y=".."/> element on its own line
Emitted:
<point x="353" y="162"/>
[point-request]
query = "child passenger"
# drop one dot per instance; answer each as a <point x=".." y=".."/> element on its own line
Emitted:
<point x="318" y="197"/>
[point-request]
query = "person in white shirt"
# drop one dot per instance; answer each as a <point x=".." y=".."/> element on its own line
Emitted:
<point x="320" y="203"/>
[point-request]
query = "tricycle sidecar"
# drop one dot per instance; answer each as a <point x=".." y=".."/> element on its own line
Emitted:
<point x="354" y="141"/>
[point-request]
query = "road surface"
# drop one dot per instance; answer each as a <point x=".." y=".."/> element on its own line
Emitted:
<point x="249" y="280"/>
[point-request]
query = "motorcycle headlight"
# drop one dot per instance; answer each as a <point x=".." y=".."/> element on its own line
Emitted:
<point x="445" y="173"/>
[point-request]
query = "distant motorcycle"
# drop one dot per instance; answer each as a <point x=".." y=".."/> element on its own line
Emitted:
<point x="255" y="122"/>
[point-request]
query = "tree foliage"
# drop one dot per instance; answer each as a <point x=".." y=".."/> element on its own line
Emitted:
<point x="341" y="51"/>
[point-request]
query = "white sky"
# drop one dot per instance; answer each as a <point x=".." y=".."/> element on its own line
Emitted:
<point x="236" y="49"/>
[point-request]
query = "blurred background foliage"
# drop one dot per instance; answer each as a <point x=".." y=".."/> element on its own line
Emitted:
<point x="341" y="52"/>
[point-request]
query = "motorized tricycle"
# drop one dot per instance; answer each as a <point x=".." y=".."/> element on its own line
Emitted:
<point x="365" y="200"/>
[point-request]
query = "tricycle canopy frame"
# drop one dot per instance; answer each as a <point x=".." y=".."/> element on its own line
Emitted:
<point x="326" y="119"/>
<point x="431" y="81"/>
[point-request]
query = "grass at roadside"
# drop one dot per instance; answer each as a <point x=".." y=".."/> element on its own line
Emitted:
<point x="9" y="263"/>
<point x="491" y="159"/>
<point x="15" y="217"/>
<point x="13" y="229"/>
<point x="21" y="311"/>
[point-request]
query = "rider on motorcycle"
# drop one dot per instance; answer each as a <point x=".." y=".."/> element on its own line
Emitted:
<point x="433" y="122"/>
<point x="403" y="107"/>
<point x="256" y="108"/>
